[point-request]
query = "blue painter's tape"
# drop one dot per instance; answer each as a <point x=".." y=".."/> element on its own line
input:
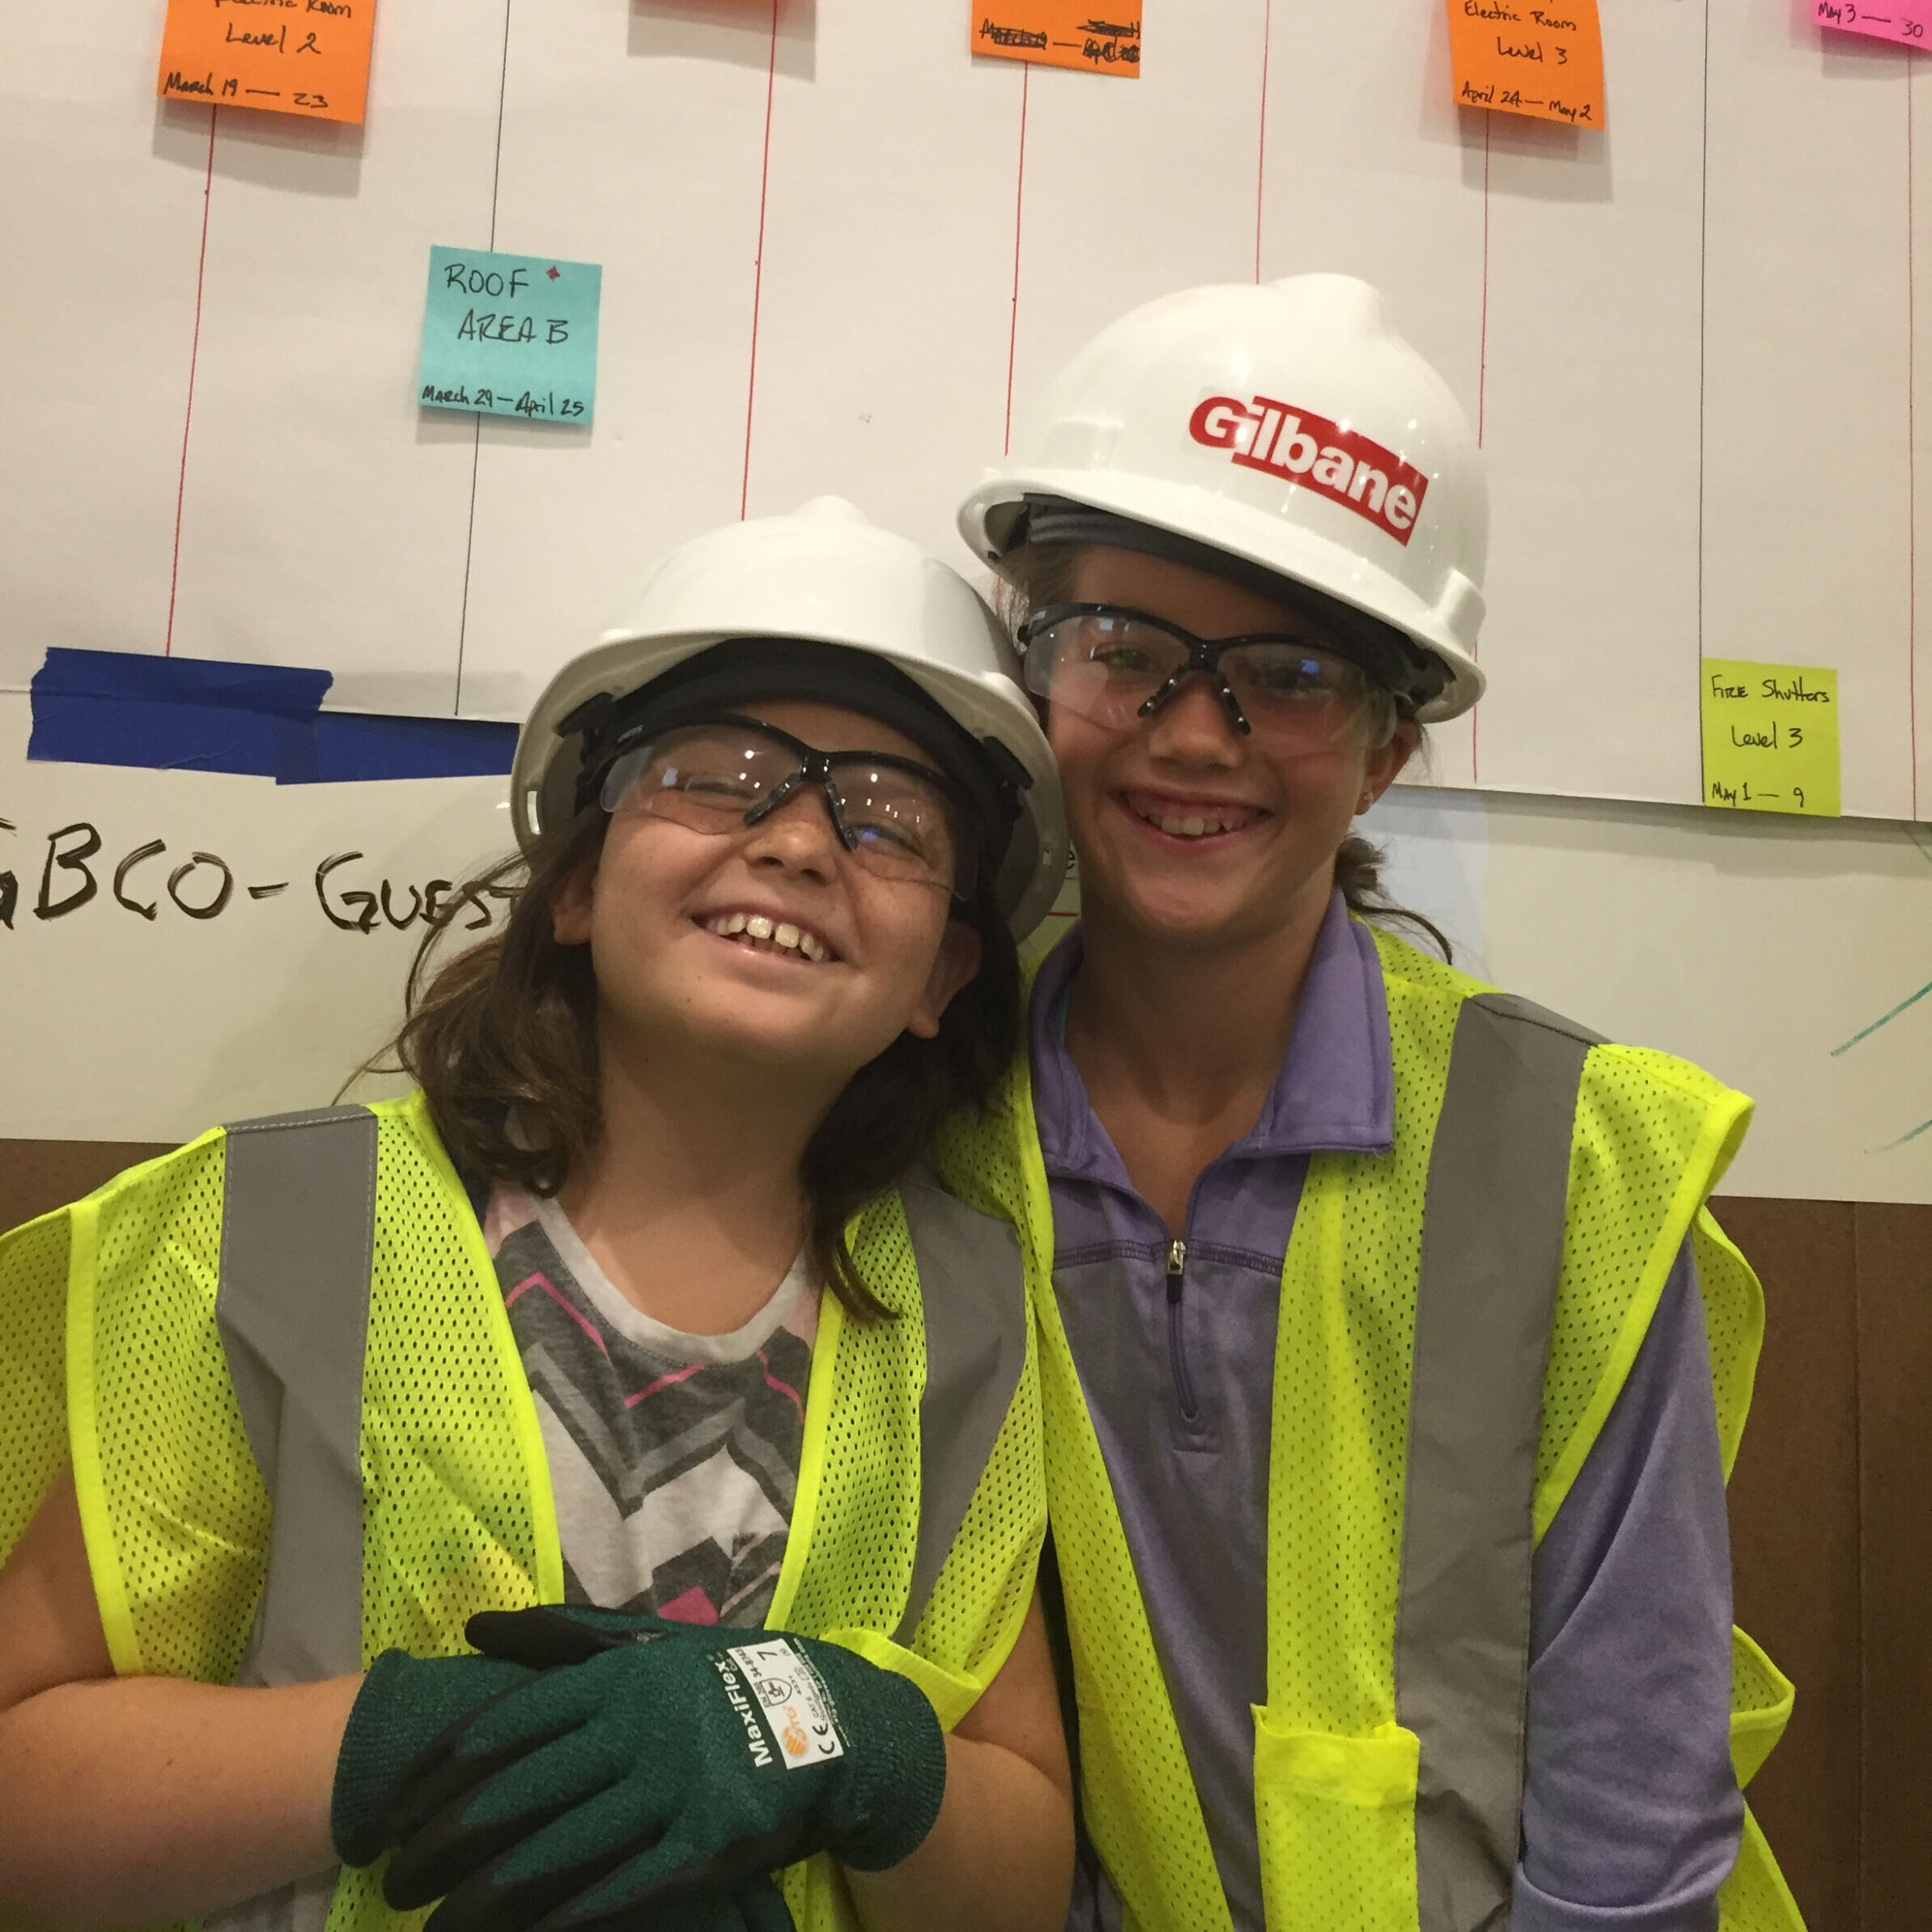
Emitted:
<point x="162" y="736"/>
<point x="174" y="714"/>
<point x="287" y="691"/>
<point x="187" y="714"/>
<point x="350" y="747"/>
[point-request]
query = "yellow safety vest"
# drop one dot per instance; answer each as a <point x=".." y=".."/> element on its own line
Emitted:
<point x="222" y="1326"/>
<point x="1561" y="1176"/>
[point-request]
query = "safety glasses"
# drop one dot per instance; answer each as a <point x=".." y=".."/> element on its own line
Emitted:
<point x="897" y="819"/>
<point x="1117" y="666"/>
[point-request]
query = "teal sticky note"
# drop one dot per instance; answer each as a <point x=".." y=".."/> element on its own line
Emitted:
<point x="510" y="335"/>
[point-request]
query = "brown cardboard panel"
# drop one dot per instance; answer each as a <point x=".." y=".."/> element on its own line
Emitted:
<point x="38" y="1176"/>
<point x="1795" y="1537"/>
<point x="1895" y="1321"/>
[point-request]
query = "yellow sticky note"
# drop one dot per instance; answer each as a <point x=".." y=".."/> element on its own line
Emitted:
<point x="290" y="56"/>
<point x="1092" y="39"/>
<point x="1771" y="737"/>
<point x="1545" y="61"/>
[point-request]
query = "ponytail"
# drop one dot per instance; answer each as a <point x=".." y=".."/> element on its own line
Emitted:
<point x="1358" y="878"/>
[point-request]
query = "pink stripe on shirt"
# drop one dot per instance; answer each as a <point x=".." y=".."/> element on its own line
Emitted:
<point x="550" y="1288"/>
<point x="783" y="1388"/>
<point x="663" y="1381"/>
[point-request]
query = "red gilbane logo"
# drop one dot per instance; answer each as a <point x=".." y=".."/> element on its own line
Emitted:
<point x="1339" y="464"/>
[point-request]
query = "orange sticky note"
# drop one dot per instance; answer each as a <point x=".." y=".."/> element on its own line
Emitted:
<point x="1093" y="39"/>
<point x="292" y="57"/>
<point x="1546" y="62"/>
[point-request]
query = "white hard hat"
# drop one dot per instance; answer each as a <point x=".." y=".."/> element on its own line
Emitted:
<point x="825" y="575"/>
<point x="1283" y="424"/>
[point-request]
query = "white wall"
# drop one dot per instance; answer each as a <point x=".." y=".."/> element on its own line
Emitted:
<point x="1757" y="948"/>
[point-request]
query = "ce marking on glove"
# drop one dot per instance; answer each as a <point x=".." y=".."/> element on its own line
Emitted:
<point x="789" y="1717"/>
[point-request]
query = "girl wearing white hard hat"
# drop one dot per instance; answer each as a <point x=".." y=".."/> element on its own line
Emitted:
<point x="1391" y="1366"/>
<point x="603" y="1487"/>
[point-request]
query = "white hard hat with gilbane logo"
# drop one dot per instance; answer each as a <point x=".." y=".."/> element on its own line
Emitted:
<point x="1287" y="426"/>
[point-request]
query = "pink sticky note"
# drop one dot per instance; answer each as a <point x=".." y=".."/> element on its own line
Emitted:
<point x="1909" y="22"/>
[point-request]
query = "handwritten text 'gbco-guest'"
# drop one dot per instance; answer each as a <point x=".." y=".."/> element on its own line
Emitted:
<point x="152" y="882"/>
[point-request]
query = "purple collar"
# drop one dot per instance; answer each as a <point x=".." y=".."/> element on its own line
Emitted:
<point x="1334" y="1092"/>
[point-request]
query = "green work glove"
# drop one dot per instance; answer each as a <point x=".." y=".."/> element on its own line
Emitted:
<point x="408" y="1706"/>
<point x="661" y="1759"/>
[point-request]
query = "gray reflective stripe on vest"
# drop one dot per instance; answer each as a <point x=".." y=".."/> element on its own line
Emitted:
<point x="973" y="1290"/>
<point x="1492" y="1250"/>
<point x="292" y="1307"/>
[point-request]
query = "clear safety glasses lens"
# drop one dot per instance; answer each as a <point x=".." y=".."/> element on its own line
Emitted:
<point x="895" y="820"/>
<point x="1118" y="667"/>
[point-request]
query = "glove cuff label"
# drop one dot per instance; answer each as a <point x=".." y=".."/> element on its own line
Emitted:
<point x="789" y="1718"/>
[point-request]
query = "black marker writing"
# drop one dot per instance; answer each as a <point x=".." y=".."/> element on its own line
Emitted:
<point x="365" y="920"/>
<point x="484" y="282"/>
<point x="202" y="887"/>
<point x="223" y="893"/>
<point x="355" y="909"/>
<point x="74" y="859"/>
<point x="152" y="849"/>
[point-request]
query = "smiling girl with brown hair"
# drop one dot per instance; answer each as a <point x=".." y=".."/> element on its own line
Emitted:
<point x="539" y="1352"/>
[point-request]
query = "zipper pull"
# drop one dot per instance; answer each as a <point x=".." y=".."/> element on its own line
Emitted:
<point x="1177" y="1261"/>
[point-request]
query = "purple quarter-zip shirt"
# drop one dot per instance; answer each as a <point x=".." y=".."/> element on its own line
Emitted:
<point x="1631" y="1813"/>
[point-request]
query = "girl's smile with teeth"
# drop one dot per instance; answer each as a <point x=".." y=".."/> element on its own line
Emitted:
<point x="764" y="934"/>
<point x="1183" y="819"/>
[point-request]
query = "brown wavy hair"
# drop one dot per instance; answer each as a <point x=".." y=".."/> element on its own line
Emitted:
<point x="502" y="1040"/>
<point x="1046" y="574"/>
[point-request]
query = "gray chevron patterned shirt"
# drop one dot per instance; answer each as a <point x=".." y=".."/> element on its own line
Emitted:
<point x="674" y="1458"/>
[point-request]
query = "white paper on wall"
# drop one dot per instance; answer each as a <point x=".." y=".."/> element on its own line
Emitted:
<point x="841" y="253"/>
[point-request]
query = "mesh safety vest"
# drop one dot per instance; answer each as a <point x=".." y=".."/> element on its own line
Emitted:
<point x="1457" y="1317"/>
<point x="301" y="1434"/>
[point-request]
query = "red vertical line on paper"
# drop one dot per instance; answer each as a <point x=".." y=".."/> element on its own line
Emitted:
<point x="758" y="273"/>
<point x="1268" y="19"/>
<point x="1482" y="411"/>
<point x="1012" y="332"/>
<point x="476" y="446"/>
<point x="1911" y="455"/>
<point x="195" y="356"/>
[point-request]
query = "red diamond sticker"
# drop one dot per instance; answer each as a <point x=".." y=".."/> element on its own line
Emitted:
<point x="552" y="273"/>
